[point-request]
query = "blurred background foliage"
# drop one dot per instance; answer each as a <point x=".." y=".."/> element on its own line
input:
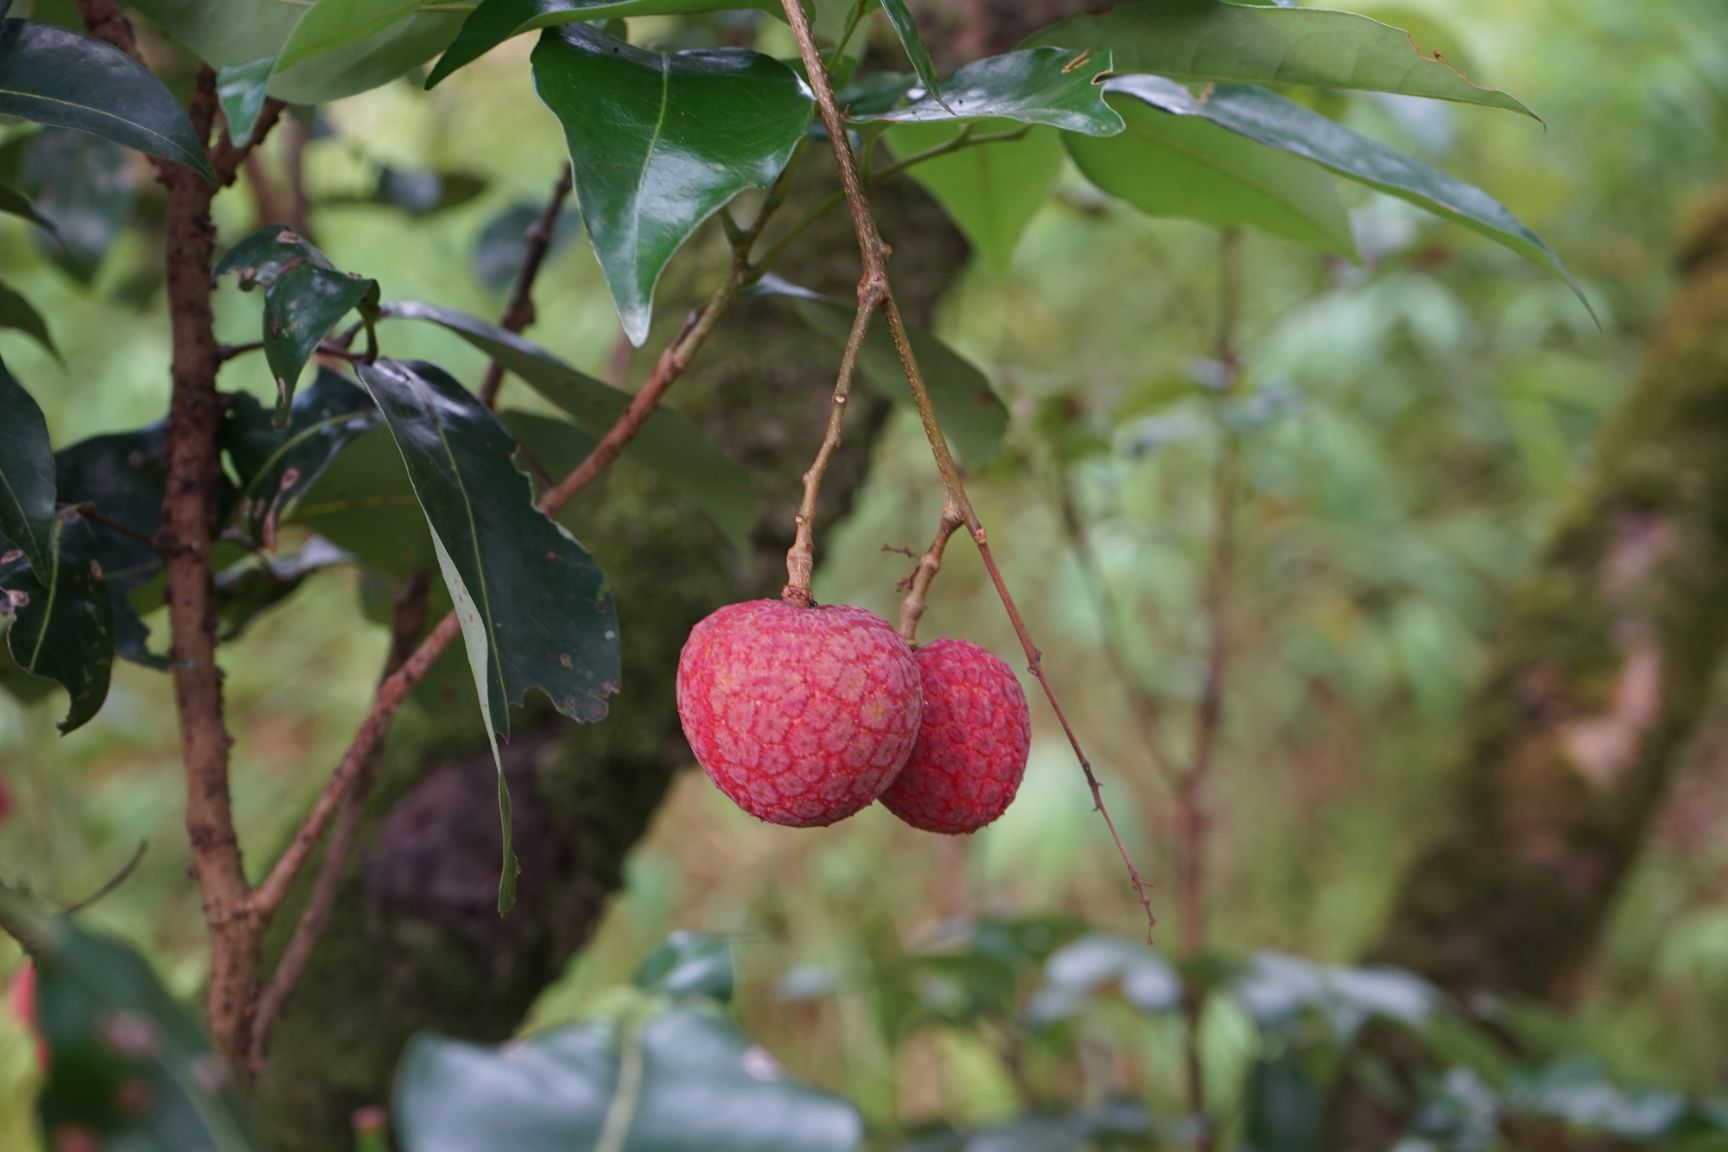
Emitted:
<point x="1407" y="427"/>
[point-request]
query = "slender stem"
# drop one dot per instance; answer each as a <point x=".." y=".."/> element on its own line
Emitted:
<point x="854" y="17"/>
<point x="918" y="584"/>
<point x="874" y="254"/>
<point x="88" y="512"/>
<point x="537" y="242"/>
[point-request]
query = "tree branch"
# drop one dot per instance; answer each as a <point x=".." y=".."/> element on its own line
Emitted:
<point x="875" y="255"/>
<point x="537" y="242"/>
<point x="918" y="584"/>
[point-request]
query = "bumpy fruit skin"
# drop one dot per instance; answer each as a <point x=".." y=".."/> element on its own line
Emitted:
<point x="972" y="742"/>
<point x="800" y="715"/>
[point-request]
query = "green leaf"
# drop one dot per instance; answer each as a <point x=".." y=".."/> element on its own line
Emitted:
<point x="534" y="608"/>
<point x="26" y="473"/>
<point x="1087" y="967"/>
<point x="497" y="255"/>
<point x="129" y="1068"/>
<point x="304" y="297"/>
<point x="667" y="442"/>
<point x="228" y="33"/>
<point x="689" y="964"/>
<point x="1204" y="41"/>
<point x="971" y="414"/>
<point x="496" y="21"/>
<point x="421" y="192"/>
<point x="362" y="502"/>
<point x="991" y="190"/>
<point x="17" y="312"/>
<point x="1169" y="166"/>
<point x="332" y="24"/>
<point x="1270" y="119"/>
<point x="62" y="619"/>
<point x="1050" y="86"/>
<point x="82" y="184"/>
<point x="276" y="466"/>
<point x="370" y="62"/>
<point x="907" y="29"/>
<point x="16" y="203"/>
<point x="660" y="142"/>
<point x="247" y="590"/>
<point x="53" y="76"/>
<point x="683" y="1081"/>
<point x="240" y="91"/>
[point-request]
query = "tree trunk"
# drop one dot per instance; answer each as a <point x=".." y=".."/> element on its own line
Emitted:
<point x="1599" y="677"/>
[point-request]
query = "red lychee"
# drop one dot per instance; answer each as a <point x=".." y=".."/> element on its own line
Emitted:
<point x="800" y="715"/>
<point x="972" y="742"/>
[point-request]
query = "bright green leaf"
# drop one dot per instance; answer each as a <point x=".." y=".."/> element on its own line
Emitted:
<point x="660" y="142"/>
<point x="332" y="24"/>
<point x="240" y="91"/>
<point x="1051" y="86"/>
<point x="227" y="33"/>
<point x="26" y="473"/>
<point x="374" y="60"/>
<point x="53" y="76"/>
<point x="990" y="190"/>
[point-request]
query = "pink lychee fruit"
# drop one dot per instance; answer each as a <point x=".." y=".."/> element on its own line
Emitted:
<point x="972" y="742"/>
<point x="800" y="715"/>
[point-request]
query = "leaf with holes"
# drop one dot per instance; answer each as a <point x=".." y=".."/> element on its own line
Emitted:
<point x="1207" y="41"/>
<point x="1056" y="87"/>
<point x="304" y="297"/>
<point x="660" y="142"/>
<point x="496" y="21"/>
<point x="62" y="620"/>
<point x="990" y="190"/>
<point x="1276" y="122"/>
<point x="1170" y="166"/>
<point x="534" y="608"/>
<point x="668" y="442"/>
<point x="27" y="490"/>
<point x="54" y="76"/>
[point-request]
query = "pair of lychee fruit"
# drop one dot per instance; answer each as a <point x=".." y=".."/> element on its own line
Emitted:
<point x="806" y="715"/>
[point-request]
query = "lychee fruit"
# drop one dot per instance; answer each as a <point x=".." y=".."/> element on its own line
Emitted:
<point x="972" y="742"/>
<point x="800" y="715"/>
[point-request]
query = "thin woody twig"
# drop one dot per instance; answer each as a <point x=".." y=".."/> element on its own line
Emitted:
<point x="537" y="242"/>
<point x="875" y="255"/>
<point x="929" y="564"/>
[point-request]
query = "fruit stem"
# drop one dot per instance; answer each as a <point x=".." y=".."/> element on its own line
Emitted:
<point x="918" y="584"/>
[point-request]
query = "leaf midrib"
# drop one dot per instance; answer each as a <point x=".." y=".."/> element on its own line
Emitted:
<point x="168" y="140"/>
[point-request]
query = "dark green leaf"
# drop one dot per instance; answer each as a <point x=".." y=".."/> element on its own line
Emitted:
<point x="62" y="620"/>
<point x="122" y="477"/>
<point x="16" y="203"/>
<point x="251" y="588"/>
<point x="907" y="29"/>
<point x="17" y="312"/>
<point x="304" y="297"/>
<point x="227" y="33"/>
<point x="667" y="442"/>
<point x="1270" y="119"/>
<point x="1169" y="166"/>
<point x="1055" y="87"/>
<point x="497" y="256"/>
<point x="496" y="21"/>
<point x="240" y="90"/>
<point x="689" y="964"/>
<point x="54" y="76"/>
<point x="990" y="190"/>
<point x="420" y="193"/>
<point x="1285" y="1106"/>
<point x="534" y="608"/>
<point x="377" y="59"/>
<point x="276" y="466"/>
<point x="128" y="1066"/>
<point x="82" y="185"/>
<point x="660" y="142"/>
<point x="1205" y="41"/>
<point x="683" y="1081"/>
<point x="26" y="473"/>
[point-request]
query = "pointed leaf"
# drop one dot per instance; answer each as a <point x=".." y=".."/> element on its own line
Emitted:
<point x="907" y="29"/>
<point x="62" y="620"/>
<point x="377" y="59"/>
<point x="304" y="297"/>
<point x="1057" y="87"/>
<point x="1237" y="43"/>
<point x="668" y="442"/>
<point x="225" y="34"/>
<point x="660" y="142"/>
<point x="17" y="312"/>
<point x="26" y="473"/>
<point x="496" y="21"/>
<point x="240" y="91"/>
<point x="16" y="203"/>
<point x="1168" y="166"/>
<point x="1272" y="120"/>
<point x="331" y="24"/>
<point x="992" y="190"/>
<point x="534" y="608"/>
<point x="683" y="1081"/>
<point x="54" y="76"/>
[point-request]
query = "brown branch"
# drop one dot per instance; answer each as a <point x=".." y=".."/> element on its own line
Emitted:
<point x="929" y="564"/>
<point x="875" y="255"/>
<point x="537" y="242"/>
<point x="88" y="512"/>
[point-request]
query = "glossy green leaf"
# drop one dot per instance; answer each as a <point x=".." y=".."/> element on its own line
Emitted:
<point x="129" y="1068"/>
<point x="667" y="442"/>
<point x="683" y="1081"/>
<point x="972" y="415"/>
<point x="62" y="619"/>
<point x="991" y="190"/>
<point x="276" y="466"/>
<point x="912" y="43"/>
<point x="377" y="59"/>
<point x="1206" y="41"/>
<point x="15" y="203"/>
<point x="534" y="608"/>
<point x="1276" y="122"/>
<point x="227" y="33"/>
<point x="240" y="91"/>
<point x="304" y="297"/>
<point x="1169" y="166"/>
<point x="17" y="312"/>
<point x="495" y="21"/>
<point x="83" y="185"/>
<point x="660" y="142"/>
<point x="1056" y="87"/>
<point x="689" y="964"/>
<point x="53" y="76"/>
<point x="26" y="473"/>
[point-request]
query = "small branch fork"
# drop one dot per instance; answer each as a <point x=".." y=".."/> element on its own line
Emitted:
<point x="917" y="585"/>
<point x="874" y="290"/>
